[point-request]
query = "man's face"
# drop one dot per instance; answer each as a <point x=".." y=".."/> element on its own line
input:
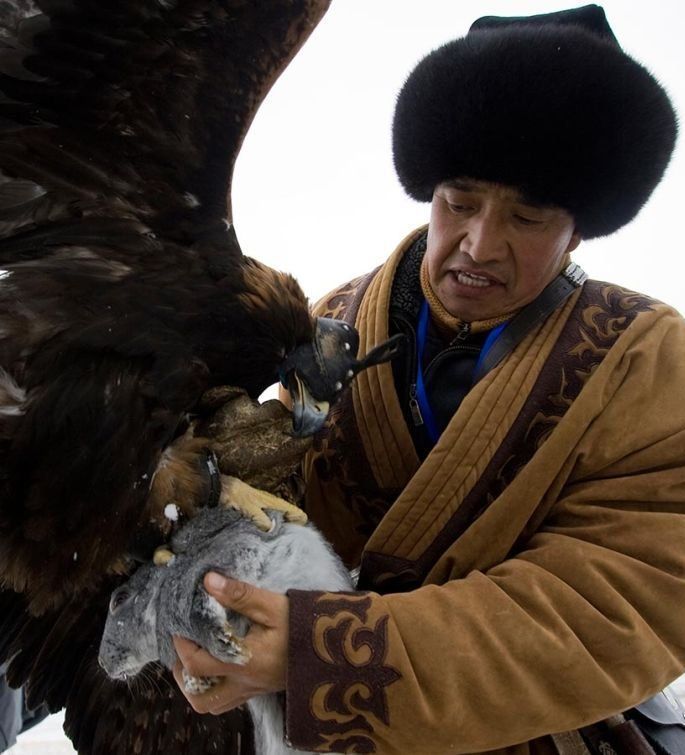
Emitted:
<point x="489" y="252"/>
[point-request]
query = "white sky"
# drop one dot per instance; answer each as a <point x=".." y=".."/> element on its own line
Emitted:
<point x="315" y="191"/>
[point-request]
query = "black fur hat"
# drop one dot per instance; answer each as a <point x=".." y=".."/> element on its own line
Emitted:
<point x="549" y="104"/>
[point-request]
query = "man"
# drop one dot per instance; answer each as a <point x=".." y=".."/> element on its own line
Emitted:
<point x="513" y="488"/>
<point x="10" y="713"/>
<point x="14" y="717"/>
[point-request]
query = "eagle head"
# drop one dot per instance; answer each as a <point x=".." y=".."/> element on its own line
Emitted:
<point x="315" y="373"/>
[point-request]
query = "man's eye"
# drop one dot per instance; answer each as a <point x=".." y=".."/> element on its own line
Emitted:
<point x="527" y="221"/>
<point x="458" y="207"/>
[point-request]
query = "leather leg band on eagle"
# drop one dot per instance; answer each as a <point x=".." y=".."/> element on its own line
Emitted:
<point x="212" y="465"/>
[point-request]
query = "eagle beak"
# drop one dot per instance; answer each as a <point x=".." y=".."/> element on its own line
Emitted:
<point x="309" y="414"/>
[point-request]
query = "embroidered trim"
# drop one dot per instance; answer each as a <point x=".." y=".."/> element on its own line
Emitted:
<point x="602" y="315"/>
<point x="341" y="665"/>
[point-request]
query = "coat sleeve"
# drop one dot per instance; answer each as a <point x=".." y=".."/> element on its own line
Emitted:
<point x="584" y="620"/>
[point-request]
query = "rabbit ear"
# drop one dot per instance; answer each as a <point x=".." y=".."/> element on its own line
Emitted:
<point x="383" y="353"/>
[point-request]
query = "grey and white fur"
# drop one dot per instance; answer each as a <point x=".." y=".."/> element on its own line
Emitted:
<point x="160" y="601"/>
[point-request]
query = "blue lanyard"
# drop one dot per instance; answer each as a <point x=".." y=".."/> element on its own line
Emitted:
<point x="493" y="335"/>
<point x="421" y="396"/>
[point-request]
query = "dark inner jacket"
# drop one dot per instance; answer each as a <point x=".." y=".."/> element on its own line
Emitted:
<point x="448" y="365"/>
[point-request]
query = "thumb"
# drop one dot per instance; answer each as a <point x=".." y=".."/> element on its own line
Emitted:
<point x="256" y="604"/>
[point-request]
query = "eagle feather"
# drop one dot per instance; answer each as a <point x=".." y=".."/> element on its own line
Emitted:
<point x="124" y="297"/>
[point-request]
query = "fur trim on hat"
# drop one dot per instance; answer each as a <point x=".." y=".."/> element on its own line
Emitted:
<point x="556" y="111"/>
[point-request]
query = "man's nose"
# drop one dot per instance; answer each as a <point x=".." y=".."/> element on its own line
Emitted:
<point x="485" y="239"/>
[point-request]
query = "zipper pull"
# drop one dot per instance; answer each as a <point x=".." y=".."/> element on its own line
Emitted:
<point x="414" y="406"/>
<point x="464" y="332"/>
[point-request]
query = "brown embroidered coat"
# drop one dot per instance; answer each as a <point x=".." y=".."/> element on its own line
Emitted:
<point x="529" y="577"/>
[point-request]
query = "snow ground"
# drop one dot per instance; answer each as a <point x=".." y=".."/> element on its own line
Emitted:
<point x="48" y="738"/>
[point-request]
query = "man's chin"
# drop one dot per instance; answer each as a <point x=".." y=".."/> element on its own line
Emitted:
<point x="475" y="306"/>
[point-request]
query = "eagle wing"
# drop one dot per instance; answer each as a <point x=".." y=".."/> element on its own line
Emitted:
<point x="120" y="123"/>
<point x="122" y="289"/>
<point x="134" y="108"/>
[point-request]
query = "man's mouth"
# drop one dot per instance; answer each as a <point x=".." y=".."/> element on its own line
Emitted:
<point x="469" y="279"/>
<point x="474" y="280"/>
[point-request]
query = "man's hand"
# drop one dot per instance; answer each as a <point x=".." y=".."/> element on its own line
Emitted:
<point x="267" y="642"/>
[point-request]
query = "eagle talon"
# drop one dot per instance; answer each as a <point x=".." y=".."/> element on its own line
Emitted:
<point x="198" y="685"/>
<point x="234" y="644"/>
<point x="252" y="502"/>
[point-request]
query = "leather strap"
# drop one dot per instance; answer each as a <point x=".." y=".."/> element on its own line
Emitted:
<point x="630" y="739"/>
<point x="570" y="743"/>
<point x="616" y="735"/>
<point x="613" y="736"/>
<point x="540" y="308"/>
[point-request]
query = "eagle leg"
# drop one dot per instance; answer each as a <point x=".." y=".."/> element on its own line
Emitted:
<point x="181" y="478"/>
<point x="252" y="503"/>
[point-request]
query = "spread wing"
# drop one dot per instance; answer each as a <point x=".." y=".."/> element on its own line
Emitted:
<point x="134" y="108"/>
<point x="122" y="294"/>
<point x="120" y="123"/>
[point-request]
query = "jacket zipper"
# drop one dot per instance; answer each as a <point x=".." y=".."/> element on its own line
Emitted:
<point x="464" y="332"/>
<point x="414" y="406"/>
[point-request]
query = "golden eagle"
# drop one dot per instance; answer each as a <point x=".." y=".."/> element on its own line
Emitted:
<point x="124" y="298"/>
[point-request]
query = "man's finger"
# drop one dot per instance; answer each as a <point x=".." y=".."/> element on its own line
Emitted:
<point x="226" y="707"/>
<point x="257" y="605"/>
<point x="197" y="702"/>
<point x="218" y="700"/>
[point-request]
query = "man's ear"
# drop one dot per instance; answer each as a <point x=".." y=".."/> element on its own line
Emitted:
<point x="574" y="241"/>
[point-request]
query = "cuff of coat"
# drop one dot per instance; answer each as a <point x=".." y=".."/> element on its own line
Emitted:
<point x="337" y="677"/>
